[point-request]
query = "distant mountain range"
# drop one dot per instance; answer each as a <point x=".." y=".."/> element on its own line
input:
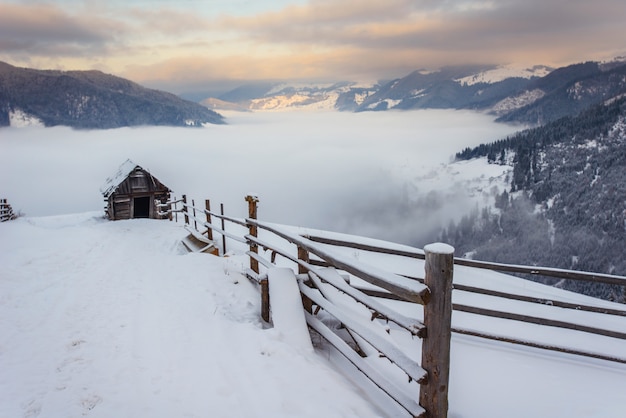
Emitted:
<point x="90" y="100"/>
<point x="534" y="95"/>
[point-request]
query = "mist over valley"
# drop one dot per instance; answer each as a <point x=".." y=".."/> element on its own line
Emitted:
<point x="384" y="174"/>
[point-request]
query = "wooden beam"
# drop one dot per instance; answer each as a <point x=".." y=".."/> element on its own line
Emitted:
<point x="438" y="320"/>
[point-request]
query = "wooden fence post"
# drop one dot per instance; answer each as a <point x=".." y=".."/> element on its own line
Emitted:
<point x="252" y="214"/>
<point x="185" y="209"/>
<point x="438" y="320"/>
<point x="209" y="231"/>
<point x="223" y="229"/>
<point x="304" y="256"/>
<point x="254" y="264"/>
<point x="193" y="208"/>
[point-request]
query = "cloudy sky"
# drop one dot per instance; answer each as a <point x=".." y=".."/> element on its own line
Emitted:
<point x="185" y="44"/>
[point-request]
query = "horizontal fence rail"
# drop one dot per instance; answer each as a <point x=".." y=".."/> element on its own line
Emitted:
<point x="509" y="268"/>
<point x="549" y="272"/>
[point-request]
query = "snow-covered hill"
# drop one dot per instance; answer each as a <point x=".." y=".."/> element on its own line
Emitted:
<point x="104" y="319"/>
<point x="108" y="319"/>
<point x="297" y="96"/>
<point x="502" y="72"/>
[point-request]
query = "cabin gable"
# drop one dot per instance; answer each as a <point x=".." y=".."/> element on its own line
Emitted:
<point x="133" y="193"/>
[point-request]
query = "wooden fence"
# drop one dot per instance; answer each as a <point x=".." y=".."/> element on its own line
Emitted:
<point x="6" y="212"/>
<point x="318" y="270"/>
<point x="548" y="272"/>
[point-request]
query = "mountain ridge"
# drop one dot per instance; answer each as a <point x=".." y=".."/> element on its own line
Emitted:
<point x="529" y="95"/>
<point x="92" y="100"/>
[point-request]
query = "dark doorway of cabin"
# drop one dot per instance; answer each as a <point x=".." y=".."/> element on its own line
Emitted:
<point x="141" y="207"/>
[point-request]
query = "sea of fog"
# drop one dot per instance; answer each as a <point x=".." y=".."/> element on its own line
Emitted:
<point x="378" y="174"/>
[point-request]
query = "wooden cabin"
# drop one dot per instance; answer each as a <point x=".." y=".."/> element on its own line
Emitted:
<point x="132" y="192"/>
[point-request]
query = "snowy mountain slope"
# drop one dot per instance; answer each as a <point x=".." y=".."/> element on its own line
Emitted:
<point x="569" y="91"/>
<point x="502" y="72"/>
<point x="572" y="171"/>
<point x="113" y="319"/>
<point x="20" y="119"/>
<point x="295" y="96"/>
<point x="451" y="87"/>
<point x="530" y="95"/>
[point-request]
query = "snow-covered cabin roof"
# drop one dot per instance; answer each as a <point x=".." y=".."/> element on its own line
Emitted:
<point x="111" y="184"/>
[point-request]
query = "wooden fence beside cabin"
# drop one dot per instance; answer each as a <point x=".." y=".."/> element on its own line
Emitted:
<point x="6" y="211"/>
<point x="317" y="268"/>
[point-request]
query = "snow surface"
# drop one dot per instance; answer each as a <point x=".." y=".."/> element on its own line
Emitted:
<point x="503" y="72"/>
<point x="114" y="319"/>
<point x="20" y="119"/>
<point x="516" y="102"/>
<point x="111" y="183"/>
<point x="103" y="318"/>
<point x="286" y="308"/>
<point x="439" y="248"/>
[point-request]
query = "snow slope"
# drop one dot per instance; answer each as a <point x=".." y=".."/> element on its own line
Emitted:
<point x="113" y="319"/>
<point x="105" y="319"/>
<point x="502" y="72"/>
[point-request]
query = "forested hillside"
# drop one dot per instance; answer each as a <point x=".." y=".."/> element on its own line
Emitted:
<point x="566" y="206"/>
<point x="92" y="100"/>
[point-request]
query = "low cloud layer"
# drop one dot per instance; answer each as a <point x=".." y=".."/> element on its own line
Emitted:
<point x="179" y="44"/>
<point x="374" y="174"/>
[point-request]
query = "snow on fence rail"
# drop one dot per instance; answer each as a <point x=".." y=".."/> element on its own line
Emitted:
<point x="320" y="284"/>
<point x="6" y="211"/>
<point x="477" y="310"/>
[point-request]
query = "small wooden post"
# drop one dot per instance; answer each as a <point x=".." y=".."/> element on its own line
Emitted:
<point x="438" y="320"/>
<point x="209" y="231"/>
<point x="252" y="214"/>
<point x="193" y="208"/>
<point x="223" y="229"/>
<point x="304" y="256"/>
<point x="265" y="300"/>
<point x="185" y="209"/>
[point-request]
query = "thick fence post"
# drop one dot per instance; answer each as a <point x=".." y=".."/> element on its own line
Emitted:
<point x="209" y="231"/>
<point x="185" y="209"/>
<point x="437" y="318"/>
<point x="252" y="214"/>
<point x="254" y="264"/>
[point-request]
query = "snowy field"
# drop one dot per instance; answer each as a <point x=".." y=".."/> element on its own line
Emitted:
<point x="380" y="174"/>
<point x="114" y="319"/>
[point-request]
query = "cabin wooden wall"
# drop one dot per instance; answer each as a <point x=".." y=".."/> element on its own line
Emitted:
<point x="139" y="183"/>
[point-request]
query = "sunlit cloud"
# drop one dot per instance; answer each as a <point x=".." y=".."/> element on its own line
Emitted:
<point x="200" y="42"/>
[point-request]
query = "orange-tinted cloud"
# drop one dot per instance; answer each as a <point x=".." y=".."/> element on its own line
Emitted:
<point x="164" y="42"/>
